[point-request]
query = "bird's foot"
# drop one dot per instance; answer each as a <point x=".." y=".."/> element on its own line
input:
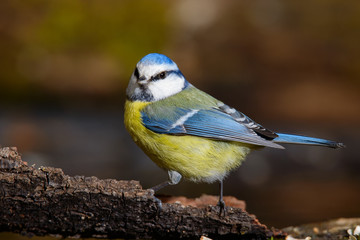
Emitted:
<point x="157" y="201"/>
<point x="159" y="206"/>
<point x="222" y="209"/>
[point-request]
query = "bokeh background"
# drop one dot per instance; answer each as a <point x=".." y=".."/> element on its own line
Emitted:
<point x="293" y="66"/>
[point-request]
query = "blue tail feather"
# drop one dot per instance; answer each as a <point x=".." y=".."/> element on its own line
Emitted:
<point x="297" y="139"/>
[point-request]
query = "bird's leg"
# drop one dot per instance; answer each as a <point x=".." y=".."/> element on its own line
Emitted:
<point x="221" y="202"/>
<point x="160" y="186"/>
<point x="174" y="178"/>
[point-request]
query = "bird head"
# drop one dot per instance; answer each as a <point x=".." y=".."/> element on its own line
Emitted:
<point x="155" y="77"/>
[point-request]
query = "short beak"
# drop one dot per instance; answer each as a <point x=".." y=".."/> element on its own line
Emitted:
<point x="142" y="80"/>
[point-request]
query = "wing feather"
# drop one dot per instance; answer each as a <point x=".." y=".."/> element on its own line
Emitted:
<point x="208" y="123"/>
<point x="243" y="119"/>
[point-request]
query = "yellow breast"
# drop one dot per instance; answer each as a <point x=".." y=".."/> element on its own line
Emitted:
<point x="195" y="158"/>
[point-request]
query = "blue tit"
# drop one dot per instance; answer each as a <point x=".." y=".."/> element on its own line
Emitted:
<point x="189" y="133"/>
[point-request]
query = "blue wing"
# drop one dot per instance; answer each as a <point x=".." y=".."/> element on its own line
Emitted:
<point x="208" y="123"/>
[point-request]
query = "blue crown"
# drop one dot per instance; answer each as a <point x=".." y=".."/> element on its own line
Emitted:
<point x="155" y="58"/>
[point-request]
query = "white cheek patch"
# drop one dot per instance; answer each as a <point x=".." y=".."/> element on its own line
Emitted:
<point x="166" y="87"/>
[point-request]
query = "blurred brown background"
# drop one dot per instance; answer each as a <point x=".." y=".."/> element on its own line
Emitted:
<point x="293" y="66"/>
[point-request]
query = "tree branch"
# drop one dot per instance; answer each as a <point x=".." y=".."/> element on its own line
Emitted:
<point x="45" y="201"/>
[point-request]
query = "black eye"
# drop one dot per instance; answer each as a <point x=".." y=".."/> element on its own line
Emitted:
<point x="161" y="75"/>
<point x="136" y="73"/>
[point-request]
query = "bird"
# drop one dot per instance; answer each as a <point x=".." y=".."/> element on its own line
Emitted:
<point x="189" y="133"/>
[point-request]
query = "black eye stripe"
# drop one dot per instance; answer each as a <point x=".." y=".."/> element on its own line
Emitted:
<point x="160" y="76"/>
<point x="164" y="74"/>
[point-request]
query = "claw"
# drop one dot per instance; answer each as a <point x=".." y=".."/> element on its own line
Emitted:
<point x="222" y="208"/>
<point x="159" y="206"/>
<point x="174" y="178"/>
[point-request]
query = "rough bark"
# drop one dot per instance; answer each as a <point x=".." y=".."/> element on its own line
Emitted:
<point x="341" y="228"/>
<point x="45" y="201"/>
